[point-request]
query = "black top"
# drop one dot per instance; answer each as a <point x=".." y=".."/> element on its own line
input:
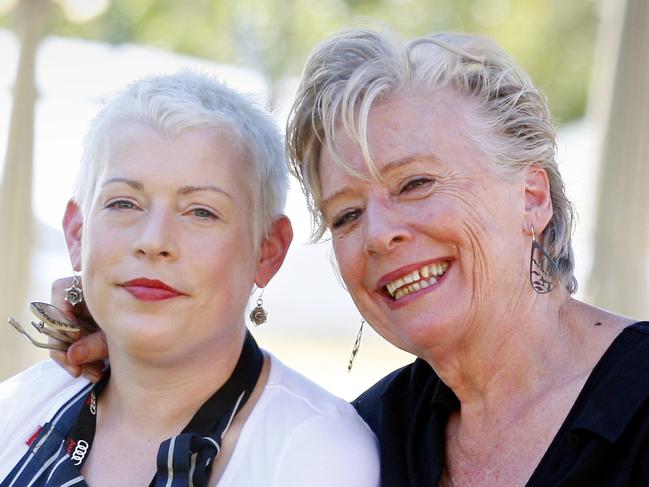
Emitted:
<point x="604" y="441"/>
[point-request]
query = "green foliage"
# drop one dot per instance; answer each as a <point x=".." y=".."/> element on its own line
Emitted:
<point x="552" y="39"/>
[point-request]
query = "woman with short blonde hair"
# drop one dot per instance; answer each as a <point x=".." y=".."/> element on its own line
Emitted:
<point x="177" y="217"/>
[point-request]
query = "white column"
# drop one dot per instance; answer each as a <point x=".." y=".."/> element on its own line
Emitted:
<point x="618" y="278"/>
<point x="16" y="219"/>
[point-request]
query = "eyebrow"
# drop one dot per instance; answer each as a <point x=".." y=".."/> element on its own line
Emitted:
<point x="192" y="189"/>
<point x="183" y="191"/>
<point x="387" y="169"/>
<point x="130" y="182"/>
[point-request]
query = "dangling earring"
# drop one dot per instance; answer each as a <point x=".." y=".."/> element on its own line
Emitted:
<point x="258" y="314"/>
<point x="357" y="345"/>
<point x="74" y="294"/>
<point x="543" y="268"/>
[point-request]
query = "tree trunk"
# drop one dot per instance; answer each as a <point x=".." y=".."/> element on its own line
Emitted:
<point x="16" y="219"/>
<point x="618" y="278"/>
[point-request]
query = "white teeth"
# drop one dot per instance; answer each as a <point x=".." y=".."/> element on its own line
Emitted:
<point x="412" y="277"/>
<point x="419" y="279"/>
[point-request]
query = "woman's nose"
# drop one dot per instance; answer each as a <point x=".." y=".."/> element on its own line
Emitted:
<point x="385" y="227"/>
<point x="156" y="238"/>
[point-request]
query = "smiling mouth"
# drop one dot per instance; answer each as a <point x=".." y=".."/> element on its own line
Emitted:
<point x="421" y="278"/>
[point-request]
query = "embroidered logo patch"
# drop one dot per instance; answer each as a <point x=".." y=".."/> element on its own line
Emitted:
<point x="80" y="451"/>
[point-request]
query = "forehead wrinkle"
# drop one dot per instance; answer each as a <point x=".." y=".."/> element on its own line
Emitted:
<point x="407" y="160"/>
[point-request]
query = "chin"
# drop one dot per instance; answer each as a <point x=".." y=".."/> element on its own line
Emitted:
<point x="419" y="335"/>
<point x="141" y="333"/>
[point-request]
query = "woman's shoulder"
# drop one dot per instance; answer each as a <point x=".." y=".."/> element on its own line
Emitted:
<point x="623" y="371"/>
<point x="630" y="345"/>
<point x="37" y="390"/>
<point x="641" y="327"/>
<point x="626" y="356"/>
<point x="27" y="401"/>
<point x="309" y="437"/>
<point x="301" y="393"/>
<point x="613" y="407"/>
<point x="314" y="410"/>
<point x="403" y="387"/>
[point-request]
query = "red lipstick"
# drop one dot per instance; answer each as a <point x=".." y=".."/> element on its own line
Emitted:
<point x="150" y="289"/>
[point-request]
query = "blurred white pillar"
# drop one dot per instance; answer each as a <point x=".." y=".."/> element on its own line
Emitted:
<point x="618" y="278"/>
<point x="16" y="219"/>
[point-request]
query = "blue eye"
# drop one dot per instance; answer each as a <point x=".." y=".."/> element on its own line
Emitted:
<point x="121" y="205"/>
<point x="203" y="213"/>
<point x="346" y="218"/>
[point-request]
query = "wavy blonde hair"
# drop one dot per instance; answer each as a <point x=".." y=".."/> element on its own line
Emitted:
<point x="352" y="71"/>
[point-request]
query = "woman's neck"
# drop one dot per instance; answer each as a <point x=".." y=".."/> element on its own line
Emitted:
<point x="158" y="398"/>
<point x="510" y="363"/>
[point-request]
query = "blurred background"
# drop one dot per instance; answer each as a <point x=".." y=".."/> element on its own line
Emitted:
<point x="59" y="59"/>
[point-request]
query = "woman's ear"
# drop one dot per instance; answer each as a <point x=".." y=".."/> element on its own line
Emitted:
<point x="273" y="250"/>
<point x="72" y="228"/>
<point x="538" y="201"/>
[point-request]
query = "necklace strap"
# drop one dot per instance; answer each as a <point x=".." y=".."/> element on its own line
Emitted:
<point x="190" y="454"/>
<point x="187" y="459"/>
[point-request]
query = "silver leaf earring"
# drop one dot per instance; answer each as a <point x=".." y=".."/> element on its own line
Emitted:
<point x="543" y="268"/>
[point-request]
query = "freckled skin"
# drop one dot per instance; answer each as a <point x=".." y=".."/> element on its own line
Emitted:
<point x="461" y="214"/>
<point x="516" y="360"/>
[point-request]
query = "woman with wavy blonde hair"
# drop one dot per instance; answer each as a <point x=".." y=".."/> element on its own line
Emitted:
<point x="432" y="164"/>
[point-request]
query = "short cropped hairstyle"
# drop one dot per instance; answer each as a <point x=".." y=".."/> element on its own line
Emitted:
<point x="352" y="71"/>
<point x="184" y="101"/>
